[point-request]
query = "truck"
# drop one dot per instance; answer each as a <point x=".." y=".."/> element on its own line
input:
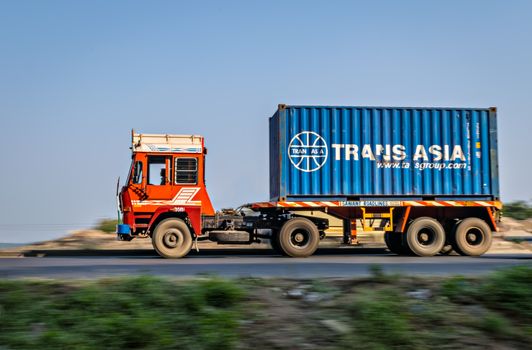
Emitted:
<point x="426" y="177"/>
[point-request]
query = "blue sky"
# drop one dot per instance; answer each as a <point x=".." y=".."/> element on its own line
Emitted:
<point x="76" y="76"/>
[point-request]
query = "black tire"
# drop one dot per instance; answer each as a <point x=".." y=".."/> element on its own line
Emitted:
<point x="394" y="242"/>
<point x="274" y="242"/>
<point x="449" y="226"/>
<point x="172" y="238"/>
<point x="472" y="237"/>
<point x="425" y="236"/>
<point x="299" y="238"/>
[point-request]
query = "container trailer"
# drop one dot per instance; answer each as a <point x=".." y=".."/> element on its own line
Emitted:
<point x="427" y="177"/>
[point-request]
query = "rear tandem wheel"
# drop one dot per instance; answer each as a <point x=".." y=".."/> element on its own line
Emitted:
<point x="472" y="237"/>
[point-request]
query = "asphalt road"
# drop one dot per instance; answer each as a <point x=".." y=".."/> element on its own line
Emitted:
<point x="252" y="263"/>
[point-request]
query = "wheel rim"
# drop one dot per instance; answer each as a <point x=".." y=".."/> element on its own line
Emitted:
<point x="172" y="238"/>
<point x="299" y="238"/>
<point x="426" y="237"/>
<point x="474" y="236"/>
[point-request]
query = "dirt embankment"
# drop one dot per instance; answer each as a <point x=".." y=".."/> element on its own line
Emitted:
<point x="514" y="236"/>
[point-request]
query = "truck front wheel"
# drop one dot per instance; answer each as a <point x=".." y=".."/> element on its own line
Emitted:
<point x="472" y="237"/>
<point x="172" y="239"/>
<point x="299" y="238"/>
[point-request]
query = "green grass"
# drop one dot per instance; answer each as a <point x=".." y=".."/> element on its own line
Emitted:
<point x="459" y="289"/>
<point x="383" y="318"/>
<point x="496" y="325"/>
<point x="107" y="225"/>
<point x="212" y="313"/>
<point x="509" y="291"/>
<point x="519" y="210"/>
<point x="134" y="313"/>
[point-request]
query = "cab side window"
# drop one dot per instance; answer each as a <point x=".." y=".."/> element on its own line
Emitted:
<point x="186" y="171"/>
<point x="157" y="170"/>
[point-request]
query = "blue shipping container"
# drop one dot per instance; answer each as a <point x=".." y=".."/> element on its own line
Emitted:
<point x="335" y="152"/>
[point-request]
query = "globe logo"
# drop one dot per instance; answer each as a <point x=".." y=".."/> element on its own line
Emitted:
<point x="307" y="151"/>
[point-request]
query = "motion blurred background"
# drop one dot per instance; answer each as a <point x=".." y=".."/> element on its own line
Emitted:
<point x="75" y="77"/>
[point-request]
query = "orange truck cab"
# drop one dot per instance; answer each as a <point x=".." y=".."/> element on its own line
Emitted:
<point x="166" y="181"/>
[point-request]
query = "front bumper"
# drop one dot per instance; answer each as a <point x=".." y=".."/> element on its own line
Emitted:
<point x="123" y="232"/>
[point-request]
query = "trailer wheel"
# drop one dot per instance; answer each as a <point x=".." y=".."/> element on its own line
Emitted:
<point x="299" y="238"/>
<point x="472" y="237"/>
<point x="394" y="242"/>
<point x="425" y="236"/>
<point x="172" y="239"/>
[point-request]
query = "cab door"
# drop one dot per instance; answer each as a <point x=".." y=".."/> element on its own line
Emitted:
<point x="159" y="184"/>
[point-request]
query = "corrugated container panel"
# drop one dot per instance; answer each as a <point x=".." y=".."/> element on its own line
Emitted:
<point x="376" y="152"/>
